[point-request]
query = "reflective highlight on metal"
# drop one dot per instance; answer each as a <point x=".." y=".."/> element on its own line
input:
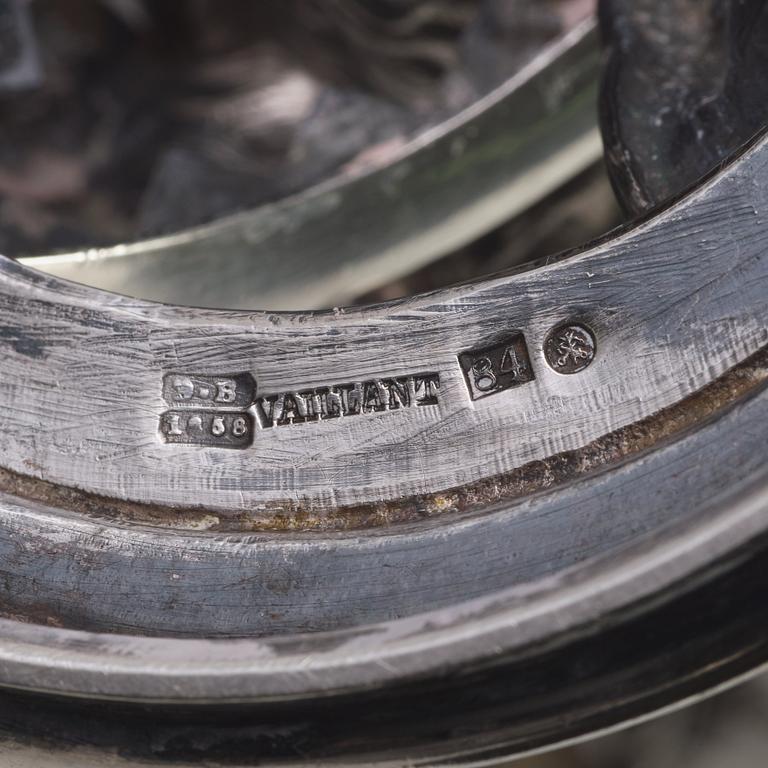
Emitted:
<point x="336" y="241"/>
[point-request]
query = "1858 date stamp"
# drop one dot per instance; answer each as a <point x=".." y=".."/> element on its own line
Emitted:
<point x="220" y="430"/>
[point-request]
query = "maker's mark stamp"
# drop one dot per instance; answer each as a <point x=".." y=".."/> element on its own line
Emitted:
<point x="199" y="391"/>
<point x="498" y="367"/>
<point x="344" y="400"/>
<point x="223" y="411"/>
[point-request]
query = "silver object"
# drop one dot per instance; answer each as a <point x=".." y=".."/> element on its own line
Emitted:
<point x="411" y="540"/>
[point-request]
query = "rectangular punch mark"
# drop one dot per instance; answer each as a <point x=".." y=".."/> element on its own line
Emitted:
<point x="207" y="428"/>
<point x="182" y="390"/>
<point x="497" y="367"/>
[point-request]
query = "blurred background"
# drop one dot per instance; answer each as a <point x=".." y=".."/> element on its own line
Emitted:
<point x="137" y="117"/>
<point x="727" y="731"/>
<point x="129" y="119"/>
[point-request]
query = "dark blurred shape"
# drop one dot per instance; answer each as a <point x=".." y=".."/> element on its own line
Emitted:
<point x="727" y="731"/>
<point x="157" y="116"/>
<point x="685" y="86"/>
<point x="19" y="63"/>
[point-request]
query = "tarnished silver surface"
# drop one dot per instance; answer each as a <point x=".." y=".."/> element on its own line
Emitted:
<point x="490" y="653"/>
<point x="461" y="625"/>
<point x="334" y="242"/>
<point x="438" y="531"/>
<point x="85" y="372"/>
<point x="188" y="421"/>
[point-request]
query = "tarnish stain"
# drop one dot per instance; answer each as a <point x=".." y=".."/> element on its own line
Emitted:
<point x="22" y="342"/>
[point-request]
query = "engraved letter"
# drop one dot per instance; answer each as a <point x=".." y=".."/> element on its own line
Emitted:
<point x="226" y="391"/>
<point x="265" y="411"/>
<point x="398" y="392"/>
<point x="290" y="413"/>
<point x="330" y="404"/>
<point x="426" y="388"/>
<point x="372" y="400"/>
<point x="350" y="398"/>
<point x="307" y="405"/>
<point x="183" y="388"/>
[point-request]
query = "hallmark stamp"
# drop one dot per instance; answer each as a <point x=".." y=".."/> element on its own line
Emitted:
<point x="570" y="348"/>
<point x="222" y="411"/>
<point x="344" y="400"/>
<point x="210" y="428"/>
<point x="498" y="367"/>
<point x="193" y="391"/>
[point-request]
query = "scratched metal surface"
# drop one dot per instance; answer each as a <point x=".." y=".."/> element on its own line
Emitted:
<point x="673" y="303"/>
<point x="199" y="585"/>
<point x="479" y="674"/>
<point x="428" y="643"/>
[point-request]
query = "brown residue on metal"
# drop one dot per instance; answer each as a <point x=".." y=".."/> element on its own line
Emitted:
<point x="535" y="477"/>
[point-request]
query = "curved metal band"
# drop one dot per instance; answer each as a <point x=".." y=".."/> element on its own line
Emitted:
<point x="540" y="670"/>
<point x="508" y="590"/>
<point x="674" y="303"/>
<point x="496" y="158"/>
<point x="99" y="385"/>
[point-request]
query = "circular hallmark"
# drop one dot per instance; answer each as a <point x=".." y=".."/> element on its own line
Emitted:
<point x="570" y="348"/>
